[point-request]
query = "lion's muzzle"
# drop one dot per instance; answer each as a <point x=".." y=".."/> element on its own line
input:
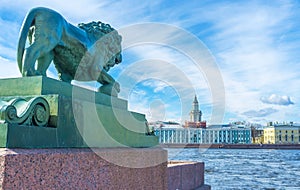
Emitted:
<point x="118" y="58"/>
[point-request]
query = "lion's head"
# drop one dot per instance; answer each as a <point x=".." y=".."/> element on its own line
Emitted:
<point x="98" y="30"/>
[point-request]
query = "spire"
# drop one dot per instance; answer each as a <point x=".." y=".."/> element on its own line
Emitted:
<point x="195" y="99"/>
<point x="195" y="114"/>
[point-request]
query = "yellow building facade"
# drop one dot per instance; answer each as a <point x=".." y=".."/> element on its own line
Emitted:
<point x="282" y="134"/>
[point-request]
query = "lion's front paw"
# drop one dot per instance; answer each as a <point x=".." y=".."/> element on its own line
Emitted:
<point x="110" y="89"/>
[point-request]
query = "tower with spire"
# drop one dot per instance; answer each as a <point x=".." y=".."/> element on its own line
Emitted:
<point x="195" y="114"/>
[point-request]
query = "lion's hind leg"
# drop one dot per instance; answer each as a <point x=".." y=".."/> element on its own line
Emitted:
<point x="44" y="63"/>
<point x="38" y="50"/>
<point x="31" y="55"/>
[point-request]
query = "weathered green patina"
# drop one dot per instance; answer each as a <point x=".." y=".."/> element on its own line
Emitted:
<point x="83" y="53"/>
<point x="78" y="118"/>
<point x="34" y="111"/>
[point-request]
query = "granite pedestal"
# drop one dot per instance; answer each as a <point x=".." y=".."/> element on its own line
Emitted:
<point x="83" y="168"/>
<point x="186" y="175"/>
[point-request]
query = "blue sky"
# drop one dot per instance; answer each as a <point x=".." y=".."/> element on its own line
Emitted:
<point x="253" y="45"/>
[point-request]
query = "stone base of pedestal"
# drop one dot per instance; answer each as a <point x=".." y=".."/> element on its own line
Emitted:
<point x="113" y="168"/>
<point x="186" y="175"/>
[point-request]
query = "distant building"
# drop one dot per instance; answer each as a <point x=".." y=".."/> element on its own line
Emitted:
<point x="257" y="135"/>
<point x="195" y="117"/>
<point x="164" y="124"/>
<point x="284" y="133"/>
<point x="213" y="134"/>
<point x="196" y="131"/>
<point x="230" y="134"/>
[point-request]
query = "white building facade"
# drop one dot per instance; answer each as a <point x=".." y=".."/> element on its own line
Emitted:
<point x="216" y="134"/>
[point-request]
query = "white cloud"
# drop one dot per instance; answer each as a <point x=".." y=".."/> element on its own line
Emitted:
<point x="276" y="99"/>
<point x="260" y="113"/>
<point x="156" y="84"/>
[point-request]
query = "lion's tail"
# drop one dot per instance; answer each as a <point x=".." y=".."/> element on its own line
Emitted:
<point x="28" y="22"/>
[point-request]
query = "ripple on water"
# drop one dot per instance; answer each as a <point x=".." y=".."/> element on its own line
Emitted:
<point x="245" y="169"/>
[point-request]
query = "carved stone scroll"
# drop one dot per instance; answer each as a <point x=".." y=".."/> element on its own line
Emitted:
<point x="33" y="112"/>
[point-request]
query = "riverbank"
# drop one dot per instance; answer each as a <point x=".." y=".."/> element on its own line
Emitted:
<point x="235" y="146"/>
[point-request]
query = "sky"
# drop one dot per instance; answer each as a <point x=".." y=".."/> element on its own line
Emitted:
<point x="241" y="58"/>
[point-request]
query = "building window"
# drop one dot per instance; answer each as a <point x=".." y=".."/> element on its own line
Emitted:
<point x="195" y="138"/>
<point x="286" y="138"/>
<point x="279" y="137"/>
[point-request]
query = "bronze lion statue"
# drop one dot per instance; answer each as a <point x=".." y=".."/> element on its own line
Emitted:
<point x="83" y="53"/>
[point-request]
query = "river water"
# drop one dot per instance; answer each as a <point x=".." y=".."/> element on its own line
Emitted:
<point x="245" y="168"/>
